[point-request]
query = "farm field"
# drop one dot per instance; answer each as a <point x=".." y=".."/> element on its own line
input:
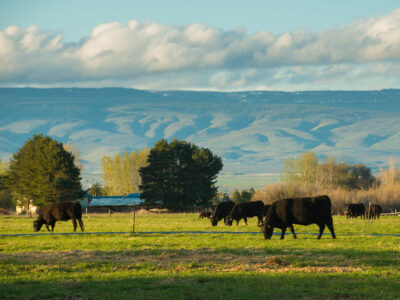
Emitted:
<point x="198" y="266"/>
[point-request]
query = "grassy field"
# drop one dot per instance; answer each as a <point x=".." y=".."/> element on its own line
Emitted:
<point x="198" y="266"/>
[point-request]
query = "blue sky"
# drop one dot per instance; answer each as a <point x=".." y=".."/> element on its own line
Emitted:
<point x="205" y="45"/>
<point x="76" y="19"/>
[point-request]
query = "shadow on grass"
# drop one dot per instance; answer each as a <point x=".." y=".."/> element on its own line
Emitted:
<point x="292" y="254"/>
<point x="214" y="286"/>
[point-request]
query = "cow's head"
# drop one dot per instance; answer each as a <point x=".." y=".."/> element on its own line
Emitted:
<point x="214" y="221"/>
<point x="37" y="225"/>
<point x="228" y="221"/>
<point x="267" y="230"/>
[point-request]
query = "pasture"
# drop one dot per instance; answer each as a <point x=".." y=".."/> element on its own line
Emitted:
<point x="198" y="266"/>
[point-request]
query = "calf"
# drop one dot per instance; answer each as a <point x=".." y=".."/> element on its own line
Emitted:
<point x="245" y="210"/>
<point x="304" y="211"/>
<point x="221" y="210"/>
<point x="205" y="214"/>
<point x="61" y="211"/>
<point x="354" y="210"/>
<point x="375" y="211"/>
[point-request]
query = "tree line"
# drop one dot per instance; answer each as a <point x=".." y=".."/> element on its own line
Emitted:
<point x="176" y="175"/>
<point x="305" y="175"/>
<point x="307" y="170"/>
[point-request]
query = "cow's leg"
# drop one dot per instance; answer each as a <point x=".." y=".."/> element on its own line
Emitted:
<point x="74" y="223"/>
<point x="292" y="231"/>
<point x="81" y="224"/>
<point x="259" y="222"/>
<point x="329" y="223"/>
<point x="245" y="220"/>
<point x="283" y="233"/>
<point x="47" y="226"/>
<point x="53" y="224"/>
<point x="321" y="229"/>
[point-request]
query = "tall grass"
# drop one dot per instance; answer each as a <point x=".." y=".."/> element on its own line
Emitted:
<point x="388" y="196"/>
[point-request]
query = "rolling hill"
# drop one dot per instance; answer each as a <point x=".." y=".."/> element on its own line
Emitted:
<point x="254" y="132"/>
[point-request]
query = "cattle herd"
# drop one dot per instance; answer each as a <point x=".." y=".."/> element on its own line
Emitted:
<point x="358" y="209"/>
<point x="281" y="214"/>
<point x="284" y="213"/>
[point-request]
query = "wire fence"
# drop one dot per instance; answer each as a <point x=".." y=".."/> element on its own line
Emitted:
<point x="183" y="232"/>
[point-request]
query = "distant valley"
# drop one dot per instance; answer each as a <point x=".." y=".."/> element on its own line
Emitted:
<point x="254" y="132"/>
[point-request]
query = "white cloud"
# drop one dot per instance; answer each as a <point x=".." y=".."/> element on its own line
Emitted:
<point x="137" y="53"/>
<point x="25" y="126"/>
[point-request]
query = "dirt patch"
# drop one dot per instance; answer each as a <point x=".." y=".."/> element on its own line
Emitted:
<point x="143" y="211"/>
<point x="159" y="210"/>
<point x="178" y="261"/>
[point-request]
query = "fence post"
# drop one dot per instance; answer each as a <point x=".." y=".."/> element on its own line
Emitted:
<point x="134" y="218"/>
<point x="369" y="211"/>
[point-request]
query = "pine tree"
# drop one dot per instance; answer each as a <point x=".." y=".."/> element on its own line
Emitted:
<point x="180" y="175"/>
<point x="43" y="172"/>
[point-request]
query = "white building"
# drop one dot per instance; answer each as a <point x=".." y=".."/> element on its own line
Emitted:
<point x="32" y="209"/>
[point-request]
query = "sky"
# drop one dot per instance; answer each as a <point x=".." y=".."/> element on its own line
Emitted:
<point x="201" y="45"/>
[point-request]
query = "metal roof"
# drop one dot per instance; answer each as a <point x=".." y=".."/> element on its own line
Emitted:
<point x="131" y="199"/>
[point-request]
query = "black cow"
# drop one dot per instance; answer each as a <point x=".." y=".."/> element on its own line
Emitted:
<point x="265" y="209"/>
<point x="245" y="210"/>
<point x="354" y="210"/>
<point x="221" y="210"/>
<point x="375" y="211"/>
<point x="61" y="211"/>
<point x="205" y="214"/>
<point x="304" y="211"/>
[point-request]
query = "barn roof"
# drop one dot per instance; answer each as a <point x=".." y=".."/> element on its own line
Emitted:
<point x="130" y="199"/>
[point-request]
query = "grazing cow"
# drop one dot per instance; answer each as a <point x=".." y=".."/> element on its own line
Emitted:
<point x="205" y="214"/>
<point x="221" y="210"/>
<point x="375" y="211"/>
<point x="265" y="209"/>
<point x="304" y="211"/>
<point x="354" y="210"/>
<point x="61" y="211"/>
<point x="245" y="210"/>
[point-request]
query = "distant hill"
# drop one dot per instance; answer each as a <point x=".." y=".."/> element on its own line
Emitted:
<point x="254" y="132"/>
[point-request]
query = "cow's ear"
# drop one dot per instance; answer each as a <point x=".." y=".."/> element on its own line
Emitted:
<point x="269" y="226"/>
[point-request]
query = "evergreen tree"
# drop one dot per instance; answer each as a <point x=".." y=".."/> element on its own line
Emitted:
<point x="180" y="175"/>
<point x="6" y="199"/>
<point x="43" y="172"/>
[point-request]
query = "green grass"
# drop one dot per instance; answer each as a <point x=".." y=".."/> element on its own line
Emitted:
<point x="198" y="266"/>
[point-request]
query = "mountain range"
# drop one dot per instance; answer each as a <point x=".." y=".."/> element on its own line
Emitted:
<point x="254" y="132"/>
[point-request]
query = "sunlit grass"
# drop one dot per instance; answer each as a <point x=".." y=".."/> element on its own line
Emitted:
<point x="198" y="266"/>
